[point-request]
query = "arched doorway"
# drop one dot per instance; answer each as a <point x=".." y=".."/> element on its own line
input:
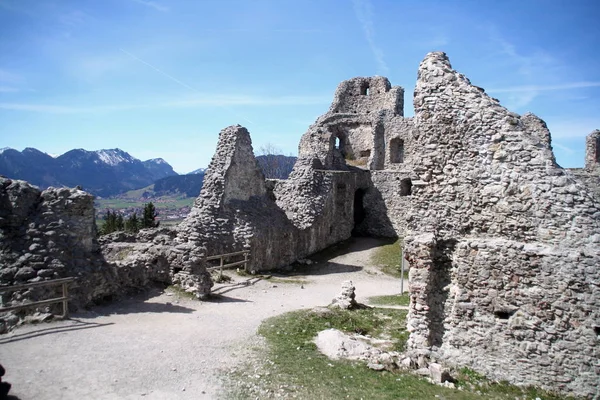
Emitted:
<point x="359" y="211"/>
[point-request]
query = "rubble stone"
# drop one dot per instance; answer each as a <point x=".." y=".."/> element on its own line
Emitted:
<point x="345" y="300"/>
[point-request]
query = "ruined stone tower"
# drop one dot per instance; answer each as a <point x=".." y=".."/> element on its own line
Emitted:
<point x="504" y="244"/>
<point x="592" y="151"/>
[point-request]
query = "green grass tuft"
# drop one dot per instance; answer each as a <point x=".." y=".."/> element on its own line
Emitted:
<point x="388" y="258"/>
<point x="391" y="300"/>
<point x="294" y="368"/>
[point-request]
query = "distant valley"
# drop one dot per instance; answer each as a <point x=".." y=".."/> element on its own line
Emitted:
<point x="120" y="181"/>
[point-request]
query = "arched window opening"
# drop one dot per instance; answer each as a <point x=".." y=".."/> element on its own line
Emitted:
<point x="339" y="142"/>
<point x="405" y="187"/>
<point x="397" y="151"/>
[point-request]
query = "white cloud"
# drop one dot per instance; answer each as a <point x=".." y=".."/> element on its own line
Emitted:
<point x="364" y="13"/>
<point x="531" y="66"/>
<point x="44" y="108"/>
<point x="565" y="149"/>
<point x="152" y="4"/>
<point x="10" y="77"/>
<point x="566" y="128"/>
<point x="518" y="100"/>
<point x="540" y="88"/>
<point x="249" y="100"/>
<point x="536" y="64"/>
<point x="205" y="100"/>
<point x="520" y="96"/>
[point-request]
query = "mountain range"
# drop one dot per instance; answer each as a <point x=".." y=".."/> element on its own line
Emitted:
<point x="107" y="173"/>
<point x="103" y="172"/>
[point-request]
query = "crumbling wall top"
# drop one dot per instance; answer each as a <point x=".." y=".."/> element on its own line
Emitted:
<point x="592" y="150"/>
<point x="233" y="173"/>
<point x="367" y="95"/>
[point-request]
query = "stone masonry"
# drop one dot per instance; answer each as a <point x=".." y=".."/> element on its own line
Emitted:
<point x="279" y="221"/>
<point x="51" y="234"/>
<point x="503" y="243"/>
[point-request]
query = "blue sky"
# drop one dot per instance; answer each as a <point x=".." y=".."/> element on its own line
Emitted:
<point x="161" y="78"/>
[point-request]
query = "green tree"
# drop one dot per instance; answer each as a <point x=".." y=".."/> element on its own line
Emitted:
<point x="119" y="223"/>
<point x="112" y="223"/>
<point x="107" y="226"/>
<point x="149" y="216"/>
<point x="132" y="224"/>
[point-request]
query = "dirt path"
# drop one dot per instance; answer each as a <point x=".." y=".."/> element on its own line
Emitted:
<point x="162" y="346"/>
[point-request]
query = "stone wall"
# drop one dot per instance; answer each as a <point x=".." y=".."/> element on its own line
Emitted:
<point x="592" y="151"/>
<point x="366" y="95"/>
<point x="47" y="235"/>
<point x="51" y="234"/>
<point x="280" y="221"/>
<point x="502" y="243"/>
<point x="590" y="175"/>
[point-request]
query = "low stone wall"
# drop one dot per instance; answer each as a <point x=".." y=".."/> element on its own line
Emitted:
<point x="51" y="234"/>
<point x="48" y="235"/>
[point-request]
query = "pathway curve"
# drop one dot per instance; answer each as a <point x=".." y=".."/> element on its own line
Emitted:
<point x="162" y="346"/>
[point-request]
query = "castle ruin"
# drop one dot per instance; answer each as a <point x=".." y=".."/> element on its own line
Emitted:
<point x="503" y="243"/>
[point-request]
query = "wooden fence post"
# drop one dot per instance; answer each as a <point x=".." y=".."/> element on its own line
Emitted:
<point x="221" y="269"/>
<point x="65" y="292"/>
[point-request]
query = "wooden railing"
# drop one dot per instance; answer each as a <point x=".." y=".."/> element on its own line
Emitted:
<point x="64" y="299"/>
<point x="223" y="257"/>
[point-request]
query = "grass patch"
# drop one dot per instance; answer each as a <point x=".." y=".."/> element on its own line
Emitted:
<point x="389" y="258"/>
<point x="391" y="300"/>
<point x="467" y="379"/>
<point x="294" y="368"/>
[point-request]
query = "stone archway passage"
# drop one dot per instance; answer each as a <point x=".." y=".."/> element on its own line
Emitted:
<point x="359" y="209"/>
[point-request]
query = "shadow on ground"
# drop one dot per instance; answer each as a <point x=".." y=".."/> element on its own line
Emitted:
<point x="321" y="268"/>
<point x="322" y="264"/>
<point x="354" y="244"/>
<point x="219" y="298"/>
<point x="73" y="325"/>
<point x="217" y="293"/>
<point x="133" y="304"/>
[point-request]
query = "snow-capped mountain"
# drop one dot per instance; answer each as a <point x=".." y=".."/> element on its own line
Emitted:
<point x="114" y="156"/>
<point x="159" y="168"/>
<point x="197" y="171"/>
<point x="103" y="172"/>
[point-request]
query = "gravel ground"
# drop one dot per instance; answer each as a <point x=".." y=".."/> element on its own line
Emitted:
<point x="163" y="346"/>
